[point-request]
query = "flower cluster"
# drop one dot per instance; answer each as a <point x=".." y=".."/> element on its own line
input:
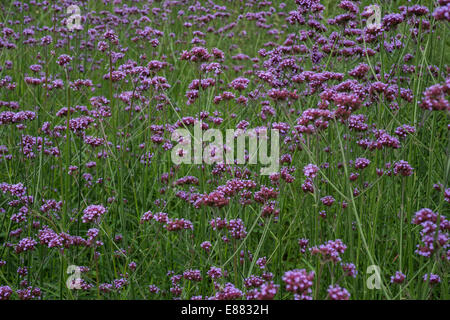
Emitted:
<point x="299" y="281"/>
<point x="434" y="233"/>
<point x="330" y="251"/>
<point x="93" y="213"/>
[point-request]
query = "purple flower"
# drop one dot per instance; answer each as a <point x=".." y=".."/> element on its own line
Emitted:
<point x="239" y="83"/>
<point x="330" y="251"/>
<point x="50" y="238"/>
<point x="349" y="269"/>
<point x="64" y="59"/>
<point x="105" y="287"/>
<point x="436" y="96"/>
<point x="153" y="289"/>
<point x="29" y="293"/>
<point x="361" y="163"/>
<point x="303" y="243"/>
<point x="431" y="239"/>
<point x="5" y="292"/>
<point x="391" y="20"/>
<point x="228" y="292"/>
<point x="237" y="228"/>
<point x="261" y="262"/>
<point x="310" y="170"/>
<point x="26" y="244"/>
<point x="398" y="277"/>
<point x="215" y="273"/>
<point x="403" y="168"/>
<point x="253" y="282"/>
<point x="327" y="200"/>
<point x="194" y="275"/>
<point x="298" y="281"/>
<point x="308" y="185"/>
<point x="93" y="213"/>
<point x="266" y="291"/>
<point x="434" y="278"/>
<point x="206" y="245"/>
<point x="179" y="224"/>
<point x="337" y="293"/>
<point x="442" y="13"/>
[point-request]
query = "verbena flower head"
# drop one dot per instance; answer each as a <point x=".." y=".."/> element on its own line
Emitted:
<point x="398" y="278"/>
<point x="299" y="281"/>
<point x="93" y="213"/>
<point x="5" y="292"/>
<point x="310" y="170"/>
<point x="330" y="251"/>
<point x="337" y="293"/>
<point x="432" y="278"/>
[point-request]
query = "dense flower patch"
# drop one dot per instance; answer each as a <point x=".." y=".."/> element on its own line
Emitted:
<point x="87" y="180"/>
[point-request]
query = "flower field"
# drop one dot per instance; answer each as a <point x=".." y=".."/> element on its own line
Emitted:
<point x="95" y="205"/>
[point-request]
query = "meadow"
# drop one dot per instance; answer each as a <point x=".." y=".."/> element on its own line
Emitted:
<point x="92" y="205"/>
